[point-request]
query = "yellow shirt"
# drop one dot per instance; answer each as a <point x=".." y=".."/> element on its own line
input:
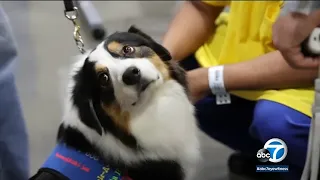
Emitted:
<point x="246" y="33"/>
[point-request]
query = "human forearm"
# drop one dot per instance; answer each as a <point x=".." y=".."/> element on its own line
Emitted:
<point x="269" y="71"/>
<point x="190" y="28"/>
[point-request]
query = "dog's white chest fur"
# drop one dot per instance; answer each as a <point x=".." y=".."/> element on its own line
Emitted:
<point x="166" y="126"/>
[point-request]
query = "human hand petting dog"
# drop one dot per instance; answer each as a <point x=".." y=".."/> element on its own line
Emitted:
<point x="198" y="83"/>
<point x="288" y="34"/>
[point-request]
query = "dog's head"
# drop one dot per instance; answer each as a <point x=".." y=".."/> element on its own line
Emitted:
<point x="126" y="66"/>
<point x="120" y="74"/>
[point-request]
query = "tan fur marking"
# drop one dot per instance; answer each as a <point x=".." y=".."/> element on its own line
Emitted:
<point x="114" y="47"/>
<point x="119" y="117"/>
<point x="161" y="66"/>
<point x="100" y="68"/>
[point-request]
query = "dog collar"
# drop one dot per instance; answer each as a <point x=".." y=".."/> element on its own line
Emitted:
<point x="77" y="165"/>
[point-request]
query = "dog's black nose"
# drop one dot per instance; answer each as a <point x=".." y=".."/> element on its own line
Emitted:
<point x="131" y="76"/>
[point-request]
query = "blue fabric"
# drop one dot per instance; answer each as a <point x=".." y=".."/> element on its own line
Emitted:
<point x="246" y="125"/>
<point x="274" y="120"/>
<point x="14" y="163"/>
<point x="78" y="165"/>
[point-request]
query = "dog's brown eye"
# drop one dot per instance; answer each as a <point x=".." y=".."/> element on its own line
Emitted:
<point x="103" y="79"/>
<point x="128" y="50"/>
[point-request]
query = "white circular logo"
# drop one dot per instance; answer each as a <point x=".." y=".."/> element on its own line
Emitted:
<point x="277" y="148"/>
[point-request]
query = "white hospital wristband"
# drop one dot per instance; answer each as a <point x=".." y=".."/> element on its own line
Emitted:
<point x="216" y="83"/>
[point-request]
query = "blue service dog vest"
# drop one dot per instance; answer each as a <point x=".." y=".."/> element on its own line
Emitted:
<point x="77" y="165"/>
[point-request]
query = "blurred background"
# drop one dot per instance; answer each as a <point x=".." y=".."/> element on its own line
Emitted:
<point x="46" y="46"/>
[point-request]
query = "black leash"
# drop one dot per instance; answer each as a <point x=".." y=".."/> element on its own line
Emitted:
<point x="71" y="13"/>
<point x="68" y="5"/>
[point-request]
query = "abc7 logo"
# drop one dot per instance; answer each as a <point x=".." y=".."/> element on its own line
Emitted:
<point x="263" y="155"/>
<point x="275" y="150"/>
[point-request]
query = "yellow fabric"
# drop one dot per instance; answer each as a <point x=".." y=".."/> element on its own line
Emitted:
<point x="246" y="33"/>
<point x="218" y="3"/>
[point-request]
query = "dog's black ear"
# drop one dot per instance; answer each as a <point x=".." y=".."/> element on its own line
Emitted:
<point x="135" y="30"/>
<point x="82" y="96"/>
<point x="162" y="52"/>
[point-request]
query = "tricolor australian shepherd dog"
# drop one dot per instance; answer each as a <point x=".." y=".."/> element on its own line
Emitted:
<point x="128" y="116"/>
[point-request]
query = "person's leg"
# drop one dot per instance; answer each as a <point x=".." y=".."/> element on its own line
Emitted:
<point x="14" y="163"/>
<point x="229" y="124"/>
<point x="274" y="120"/>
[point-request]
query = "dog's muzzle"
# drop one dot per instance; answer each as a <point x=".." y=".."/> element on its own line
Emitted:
<point x="132" y="76"/>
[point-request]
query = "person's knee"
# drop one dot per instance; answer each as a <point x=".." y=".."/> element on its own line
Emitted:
<point x="268" y="121"/>
<point x="274" y="120"/>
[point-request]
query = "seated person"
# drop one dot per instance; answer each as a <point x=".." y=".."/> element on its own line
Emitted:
<point x="269" y="99"/>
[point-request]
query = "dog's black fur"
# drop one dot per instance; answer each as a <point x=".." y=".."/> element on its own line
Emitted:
<point x="85" y="88"/>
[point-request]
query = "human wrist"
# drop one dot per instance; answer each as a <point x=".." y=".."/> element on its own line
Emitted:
<point x="216" y="80"/>
<point x="198" y="79"/>
<point x="203" y="81"/>
<point x="217" y="86"/>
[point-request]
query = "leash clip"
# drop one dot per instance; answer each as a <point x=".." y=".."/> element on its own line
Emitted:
<point x="72" y="16"/>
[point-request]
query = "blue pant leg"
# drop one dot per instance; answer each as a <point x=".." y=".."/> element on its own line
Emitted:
<point x="274" y="120"/>
<point x="229" y="124"/>
<point x="14" y="163"/>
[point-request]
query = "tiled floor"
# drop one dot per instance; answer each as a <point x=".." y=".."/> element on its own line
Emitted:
<point x="45" y="41"/>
